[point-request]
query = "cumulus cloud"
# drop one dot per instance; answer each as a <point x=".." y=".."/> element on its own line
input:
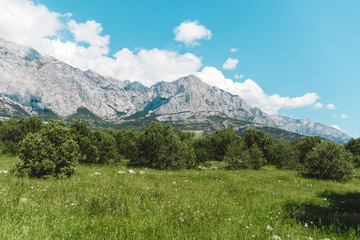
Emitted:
<point x="336" y="127"/>
<point x="344" y="116"/>
<point x="189" y="32"/>
<point x="253" y="94"/>
<point x="25" y="22"/>
<point x="230" y="64"/>
<point x="331" y="106"/>
<point x="34" y="25"/>
<point x="238" y="76"/>
<point x="233" y="50"/>
<point x="318" y="105"/>
<point x="89" y="32"/>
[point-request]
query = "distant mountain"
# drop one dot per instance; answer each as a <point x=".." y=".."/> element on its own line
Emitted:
<point x="36" y="84"/>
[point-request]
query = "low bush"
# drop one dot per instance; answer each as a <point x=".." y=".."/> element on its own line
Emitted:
<point x="51" y="151"/>
<point x="240" y="156"/>
<point x="160" y="148"/>
<point x="329" y="160"/>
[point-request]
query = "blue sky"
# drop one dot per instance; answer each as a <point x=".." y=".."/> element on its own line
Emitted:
<point x="286" y="47"/>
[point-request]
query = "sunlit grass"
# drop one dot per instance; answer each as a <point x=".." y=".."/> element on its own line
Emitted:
<point x="187" y="204"/>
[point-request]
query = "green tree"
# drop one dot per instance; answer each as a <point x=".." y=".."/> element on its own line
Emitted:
<point x="240" y="156"/>
<point x="51" y="151"/>
<point x="353" y="145"/>
<point x="285" y="155"/>
<point x="203" y="150"/>
<point x="126" y="142"/>
<point x="83" y="136"/>
<point x="263" y="141"/>
<point x="106" y="147"/>
<point x="305" y="145"/>
<point x="13" y="131"/>
<point x="160" y="148"/>
<point x="329" y="160"/>
<point x="220" y="141"/>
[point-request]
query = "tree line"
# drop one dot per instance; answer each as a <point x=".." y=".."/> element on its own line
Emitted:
<point x="56" y="149"/>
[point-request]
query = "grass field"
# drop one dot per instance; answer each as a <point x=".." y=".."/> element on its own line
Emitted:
<point x="188" y="204"/>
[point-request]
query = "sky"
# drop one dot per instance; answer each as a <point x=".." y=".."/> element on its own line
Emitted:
<point x="299" y="59"/>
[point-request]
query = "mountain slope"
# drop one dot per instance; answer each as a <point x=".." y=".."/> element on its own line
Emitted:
<point x="33" y="83"/>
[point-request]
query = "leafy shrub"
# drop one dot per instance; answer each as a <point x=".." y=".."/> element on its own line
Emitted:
<point x="329" y="160"/>
<point x="219" y="142"/>
<point x="306" y="145"/>
<point x="126" y="143"/>
<point x="95" y="146"/>
<point x="13" y="131"/>
<point x="240" y="156"/>
<point x="105" y="144"/>
<point x="353" y="145"/>
<point x="160" y="148"/>
<point x="203" y="150"/>
<point x="263" y="141"/>
<point x="286" y="155"/>
<point x="51" y="151"/>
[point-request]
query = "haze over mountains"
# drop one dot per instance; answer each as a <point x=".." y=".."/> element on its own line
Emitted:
<point x="32" y="84"/>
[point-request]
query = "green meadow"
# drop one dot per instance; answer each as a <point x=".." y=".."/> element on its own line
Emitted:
<point x="99" y="203"/>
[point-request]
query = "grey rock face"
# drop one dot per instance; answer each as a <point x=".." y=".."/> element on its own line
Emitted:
<point x="31" y="82"/>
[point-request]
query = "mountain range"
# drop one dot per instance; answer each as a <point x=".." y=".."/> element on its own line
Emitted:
<point x="32" y="83"/>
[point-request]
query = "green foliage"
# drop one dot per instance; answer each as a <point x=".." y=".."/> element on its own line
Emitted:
<point x="82" y="135"/>
<point x="263" y="141"/>
<point x="306" y="145"/>
<point x="185" y="135"/>
<point x="106" y="147"/>
<point x="329" y="160"/>
<point x="240" y="156"/>
<point x="203" y="150"/>
<point x="160" y="148"/>
<point x="126" y="142"/>
<point x="219" y="142"/>
<point x="95" y="146"/>
<point x="353" y="145"/>
<point x="13" y="131"/>
<point x="285" y="155"/>
<point x="51" y="151"/>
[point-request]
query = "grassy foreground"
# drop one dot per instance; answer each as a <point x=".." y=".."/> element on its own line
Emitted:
<point x="188" y="204"/>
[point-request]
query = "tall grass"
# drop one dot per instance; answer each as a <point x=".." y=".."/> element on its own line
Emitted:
<point x="187" y="204"/>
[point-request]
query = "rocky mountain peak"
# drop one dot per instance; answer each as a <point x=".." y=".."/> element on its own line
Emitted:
<point x="33" y="83"/>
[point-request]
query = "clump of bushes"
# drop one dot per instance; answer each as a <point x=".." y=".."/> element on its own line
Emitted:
<point x="49" y="152"/>
<point x="14" y="130"/>
<point x="329" y="160"/>
<point x="95" y="146"/>
<point x="160" y="148"/>
<point x="54" y="149"/>
<point x="353" y="145"/>
<point x="253" y="150"/>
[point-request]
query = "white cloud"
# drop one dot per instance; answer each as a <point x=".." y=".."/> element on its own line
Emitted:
<point x="344" y="116"/>
<point x="230" y="64"/>
<point x="331" y="106"/>
<point x="238" y="76"/>
<point x="25" y="22"/>
<point x="318" y="105"/>
<point x="233" y="50"/>
<point x="89" y="32"/>
<point x="253" y="94"/>
<point x="336" y="127"/>
<point x="189" y="32"/>
<point x="32" y="24"/>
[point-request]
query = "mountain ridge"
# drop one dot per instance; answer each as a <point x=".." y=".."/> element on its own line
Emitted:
<point x="35" y="83"/>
